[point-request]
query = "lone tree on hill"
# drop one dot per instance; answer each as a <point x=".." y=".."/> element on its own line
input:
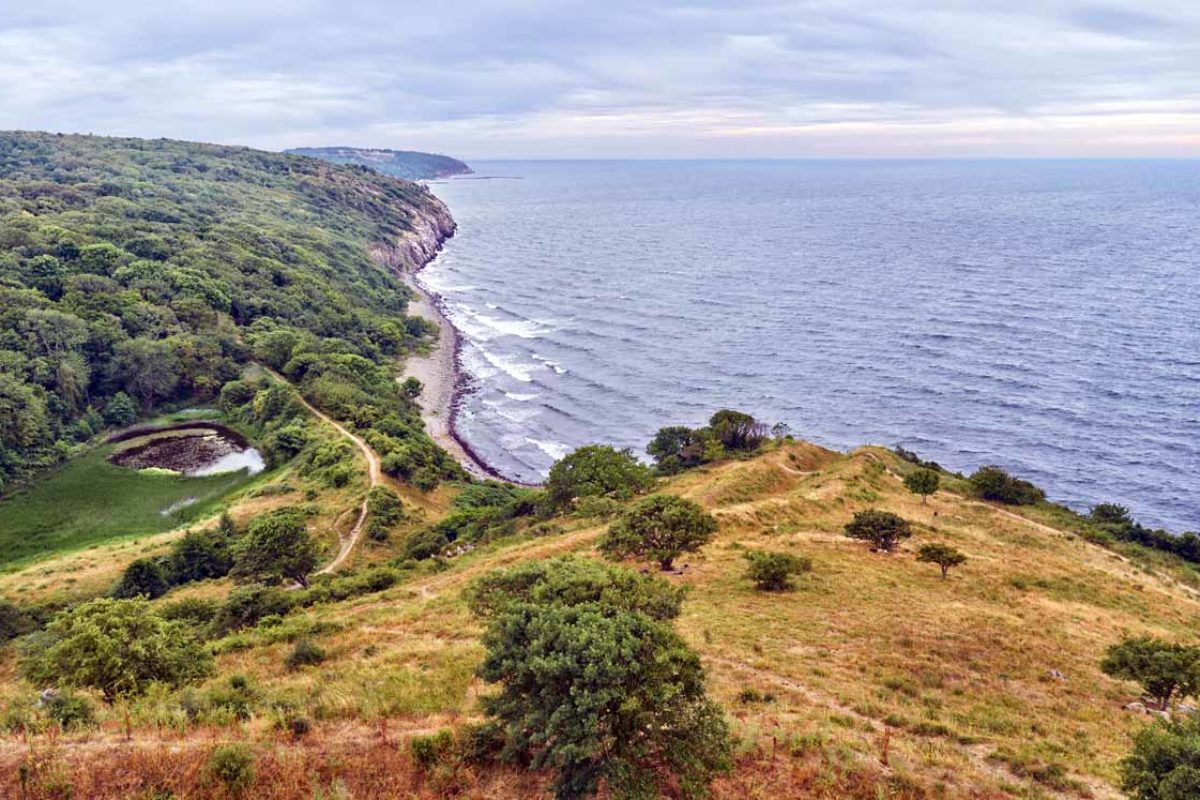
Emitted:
<point x="117" y="646"/>
<point x="597" y="470"/>
<point x="772" y="572"/>
<point x="1166" y="670"/>
<point x="595" y="684"/>
<point x="943" y="555"/>
<point x="1165" y="762"/>
<point x="923" y="482"/>
<point x="883" y="529"/>
<point x="276" y="546"/>
<point x="660" y="527"/>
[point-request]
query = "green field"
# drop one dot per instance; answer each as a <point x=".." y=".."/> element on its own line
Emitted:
<point x="90" y="501"/>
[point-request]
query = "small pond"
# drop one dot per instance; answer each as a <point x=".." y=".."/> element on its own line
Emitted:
<point x="195" y="449"/>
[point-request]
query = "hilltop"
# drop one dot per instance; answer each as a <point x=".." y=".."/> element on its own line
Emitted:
<point x="408" y="164"/>
<point x="873" y="678"/>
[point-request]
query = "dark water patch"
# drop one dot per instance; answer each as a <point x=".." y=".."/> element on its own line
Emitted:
<point x="195" y="449"/>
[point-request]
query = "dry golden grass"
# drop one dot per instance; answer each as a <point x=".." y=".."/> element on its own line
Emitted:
<point x="885" y="680"/>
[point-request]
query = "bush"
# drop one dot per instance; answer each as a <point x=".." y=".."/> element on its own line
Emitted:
<point x="233" y="766"/>
<point x="120" y="410"/>
<point x="597" y="471"/>
<point x="1165" y="762"/>
<point x="772" y="572"/>
<point x="200" y="555"/>
<point x="598" y="692"/>
<point x="883" y="529"/>
<point x="597" y="507"/>
<point x="425" y="544"/>
<point x="16" y="621"/>
<point x="993" y="483"/>
<point x="69" y="710"/>
<point x="142" y="578"/>
<point x="117" y="646"/>
<point x="429" y="751"/>
<point x="196" y="611"/>
<point x="660" y="527"/>
<point x="304" y="654"/>
<point x="299" y="726"/>
<point x="737" y="430"/>
<point x="246" y="606"/>
<point x="277" y="546"/>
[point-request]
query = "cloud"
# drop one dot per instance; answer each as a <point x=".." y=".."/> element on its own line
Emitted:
<point x="530" y="78"/>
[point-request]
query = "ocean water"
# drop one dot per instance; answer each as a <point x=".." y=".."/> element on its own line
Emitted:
<point x="1039" y="315"/>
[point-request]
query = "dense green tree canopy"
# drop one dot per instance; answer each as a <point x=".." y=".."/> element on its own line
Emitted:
<point x="597" y="470"/>
<point x="772" y="572"/>
<point x="276" y="546"/>
<point x="1165" y="762"/>
<point x="660" y="527"/>
<point x="153" y="271"/>
<point x="117" y="646"/>
<point x="923" y="482"/>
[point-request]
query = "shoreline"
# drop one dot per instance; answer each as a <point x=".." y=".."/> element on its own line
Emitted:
<point x="444" y="382"/>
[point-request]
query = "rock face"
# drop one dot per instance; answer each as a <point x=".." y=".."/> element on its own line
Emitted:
<point x="431" y="226"/>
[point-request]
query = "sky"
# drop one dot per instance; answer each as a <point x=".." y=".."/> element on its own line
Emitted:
<point x="617" y="78"/>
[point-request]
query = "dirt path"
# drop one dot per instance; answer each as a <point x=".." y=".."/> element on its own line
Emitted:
<point x="373" y="472"/>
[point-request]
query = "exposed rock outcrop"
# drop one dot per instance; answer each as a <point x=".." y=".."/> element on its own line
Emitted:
<point x="431" y="226"/>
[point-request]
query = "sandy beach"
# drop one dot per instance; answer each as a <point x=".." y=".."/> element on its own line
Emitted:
<point x="438" y="373"/>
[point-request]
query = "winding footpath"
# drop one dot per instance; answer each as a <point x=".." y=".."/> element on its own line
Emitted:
<point x="373" y="472"/>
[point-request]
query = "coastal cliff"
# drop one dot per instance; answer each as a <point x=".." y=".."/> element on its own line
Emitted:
<point x="431" y="225"/>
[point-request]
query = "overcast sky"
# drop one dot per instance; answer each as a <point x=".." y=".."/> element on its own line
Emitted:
<point x="616" y="78"/>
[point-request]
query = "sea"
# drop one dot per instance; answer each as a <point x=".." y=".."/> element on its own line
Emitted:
<point x="1041" y="315"/>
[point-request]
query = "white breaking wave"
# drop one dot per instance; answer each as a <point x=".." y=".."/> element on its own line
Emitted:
<point x="556" y="450"/>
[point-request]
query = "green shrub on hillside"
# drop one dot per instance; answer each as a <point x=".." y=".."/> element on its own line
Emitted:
<point x="596" y="471"/>
<point x="883" y="529"/>
<point x="598" y="691"/>
<point x="277" y="546"/>
<point x="1165" y="762"/>
<point x="772" y="572"/>
<point x="660" y="527"/>
<point x="993" y="483"/>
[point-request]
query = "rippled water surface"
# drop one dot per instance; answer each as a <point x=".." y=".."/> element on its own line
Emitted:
<point x="1044" y="316"/>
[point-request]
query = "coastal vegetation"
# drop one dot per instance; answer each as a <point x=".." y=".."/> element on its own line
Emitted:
<point x="408" y="164"/>
<point x="476" y="640"/>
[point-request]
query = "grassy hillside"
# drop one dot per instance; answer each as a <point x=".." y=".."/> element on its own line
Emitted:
<point x="874" y="678"/>
<point x="408" y="164"/>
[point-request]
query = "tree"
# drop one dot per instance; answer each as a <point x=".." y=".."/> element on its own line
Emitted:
<point x="143" y="578"/>
<point x="598" y="691"/>
<point x="923" y="482"/>
<point x="737" y="430"/>
<point x="121" y="410"/>
<point x="772" y="572"/>
<point x="597" y="470"/>
<point x="943" y="555"/>
<point x="1165" y="670"/>
<point x="199" y="556"/>
<point x="117" y="646"/>
<point x="1165" y="762"/>
<point x="660" y="527"/>
<point x="993" y="483"/>
<point x="676" y="447"/>
<point x="781" y="430"/>
<point x="882" y="529"/>
<point x="571" y="580"/>
<point x="277" y="546"/>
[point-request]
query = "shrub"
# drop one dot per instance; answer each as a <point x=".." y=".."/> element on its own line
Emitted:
<point x="233" y="766"/>
<point x="196" y="611"/>
<point x="570" y="580"/>
<point x="16" y="621"/>
<point x="772" y="572"/>
<point x="943" y="555"/>
<point x="1165" y="762"/>
<point x="429" y="751"/>
<point x="120" y="410"/>
<point x="142" y="578"/>
<point x="1165" y="670"/>
<point x="277" y="546"/>
<point x="246" y="606"/>
<point x="1110" y="514"/>
<point x="600" y="693"/>
<point x="117" y="646"/>
<point x="923" y="482"/>
<point x="424" y="544"/>
<point x="883" y="529"/>
<point x="597" y="507"/>
<point x="201" y="555"/>
<point x="304" y="654"/>
<point x="993" y="483"/>
<point x="69" y="710"/>
<point x="737" y="430"/>
<point x="299" y="726"/>
<point x="660" y="527"/>
<point x="597" y="471"/>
